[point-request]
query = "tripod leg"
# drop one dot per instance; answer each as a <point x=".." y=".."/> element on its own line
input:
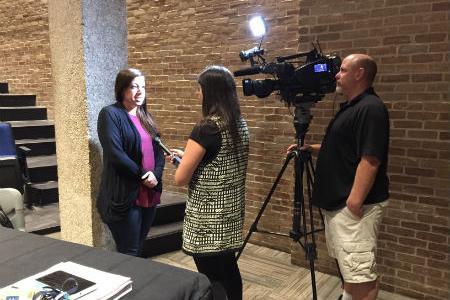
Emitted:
<point x="254" y="226"/>
<point x="313" y="254"/>
<point x="298" y="210"/>
<point x="302" y="163"/>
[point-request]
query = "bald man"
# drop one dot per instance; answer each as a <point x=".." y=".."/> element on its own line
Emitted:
<point x="351" y="185"/>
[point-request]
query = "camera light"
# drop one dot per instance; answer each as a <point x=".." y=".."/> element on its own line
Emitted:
<point x="258" y="26"/>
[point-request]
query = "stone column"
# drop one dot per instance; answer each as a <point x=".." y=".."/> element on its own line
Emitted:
<point x="88" y="43"/>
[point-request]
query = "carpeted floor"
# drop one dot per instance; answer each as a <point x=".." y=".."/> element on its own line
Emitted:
<point x="268" y="274"/>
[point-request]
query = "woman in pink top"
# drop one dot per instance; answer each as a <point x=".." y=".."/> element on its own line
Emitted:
<point x="132" y="164"/>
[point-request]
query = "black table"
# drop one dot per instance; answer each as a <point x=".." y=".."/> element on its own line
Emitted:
<point x="24" y="254"/>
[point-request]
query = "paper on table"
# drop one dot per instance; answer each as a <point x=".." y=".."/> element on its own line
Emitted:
<point x="109" y="286"/>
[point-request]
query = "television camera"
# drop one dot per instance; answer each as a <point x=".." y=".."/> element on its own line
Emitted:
<point x="296" y="81"/>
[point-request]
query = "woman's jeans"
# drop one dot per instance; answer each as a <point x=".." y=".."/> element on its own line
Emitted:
<point x="131" y="232"/>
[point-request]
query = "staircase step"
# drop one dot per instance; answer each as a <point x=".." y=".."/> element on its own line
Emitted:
<point x="171" y="208"/>
<point x="43" y="220"/>
<point x="163" y="239"/>
<point x="23" y="113"/>
<point x="42" y="168"/>
<point x="38" y="146"/>
<point x="17" y="100"/>
<point x="44" y="193"/>
<point x="33" y="129"/>
<point x="3" y="87"/>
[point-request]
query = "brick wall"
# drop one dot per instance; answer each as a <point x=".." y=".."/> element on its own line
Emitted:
<point x="172" y="41"/>
<point x="25" y="50"/>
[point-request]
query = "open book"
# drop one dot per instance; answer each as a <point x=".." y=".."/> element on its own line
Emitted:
<point x="79" y="281"/>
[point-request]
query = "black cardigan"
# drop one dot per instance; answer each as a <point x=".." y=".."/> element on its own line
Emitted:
<point x="122" y="160"/>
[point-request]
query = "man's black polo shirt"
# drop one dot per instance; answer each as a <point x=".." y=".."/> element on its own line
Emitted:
<point x="361" y="127"/>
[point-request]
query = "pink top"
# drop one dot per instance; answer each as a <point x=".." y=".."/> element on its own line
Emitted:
<point x="147" y="197"/>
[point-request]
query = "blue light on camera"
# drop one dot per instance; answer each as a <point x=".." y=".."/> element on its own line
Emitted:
<point x="318" y="68"/>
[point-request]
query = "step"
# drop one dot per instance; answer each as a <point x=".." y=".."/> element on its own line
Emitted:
<point x="44" y="193"/>
<point x="163" y="239"/>
<point x="43" y="220"/>
<point x="38" y="146"/>
<point x="171" y="209"/>
<point x="3" y="87"/>
<point x="33" y="129"/>
<point x="23" y="113"/>
<point x="17" y="100"/>
<point x="42" y="168"/>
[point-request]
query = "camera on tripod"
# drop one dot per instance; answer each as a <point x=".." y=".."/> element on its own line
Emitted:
<point x="297" y="81"/>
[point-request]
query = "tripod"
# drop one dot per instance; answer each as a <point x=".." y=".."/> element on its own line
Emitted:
<point x="303" y="166"/>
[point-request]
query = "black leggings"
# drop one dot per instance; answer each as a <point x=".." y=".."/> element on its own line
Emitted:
<point x="223" y="269"/>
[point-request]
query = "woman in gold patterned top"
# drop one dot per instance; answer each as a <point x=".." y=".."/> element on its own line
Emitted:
<point x="214" y="165"/>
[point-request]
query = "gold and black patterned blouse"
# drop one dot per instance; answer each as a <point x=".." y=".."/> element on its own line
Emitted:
<point x="215" y="208"/>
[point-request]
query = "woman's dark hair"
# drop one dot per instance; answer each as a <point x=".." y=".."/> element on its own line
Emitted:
<point x="220" y="98"/>
<point x="123" y="81"/>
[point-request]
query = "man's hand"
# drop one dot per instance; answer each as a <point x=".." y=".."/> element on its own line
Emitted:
<point x="291" y="148"/>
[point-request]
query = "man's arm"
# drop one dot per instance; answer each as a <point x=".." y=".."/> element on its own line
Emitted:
<point x="314" y="148"/>
<point x="364" y="178"/>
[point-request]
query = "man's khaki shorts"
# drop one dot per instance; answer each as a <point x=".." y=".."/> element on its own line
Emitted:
<point x="353" y="241"/>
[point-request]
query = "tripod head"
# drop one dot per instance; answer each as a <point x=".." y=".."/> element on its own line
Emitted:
<point x="302" y="118"/>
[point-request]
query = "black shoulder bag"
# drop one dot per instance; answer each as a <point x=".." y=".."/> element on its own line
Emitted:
<point x="4" y="220"/>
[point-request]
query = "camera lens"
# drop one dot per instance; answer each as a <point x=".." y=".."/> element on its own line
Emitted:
<point x="247" y="86"/>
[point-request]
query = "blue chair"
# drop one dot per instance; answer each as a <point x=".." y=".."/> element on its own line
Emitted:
<point x="13" y="164"/>
<point x="7" y="145"/>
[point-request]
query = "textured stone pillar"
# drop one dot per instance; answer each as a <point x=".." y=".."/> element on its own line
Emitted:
<point x="88" y="41"/>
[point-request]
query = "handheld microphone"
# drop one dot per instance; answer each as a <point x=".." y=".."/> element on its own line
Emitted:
<point x="248" y="71"/>
<point x="175" y="160"/>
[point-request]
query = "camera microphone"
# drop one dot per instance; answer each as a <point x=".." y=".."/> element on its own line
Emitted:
<point x="250" y="53"/>
<point x="248" y="71"/>
<point x="175" y="160"/>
